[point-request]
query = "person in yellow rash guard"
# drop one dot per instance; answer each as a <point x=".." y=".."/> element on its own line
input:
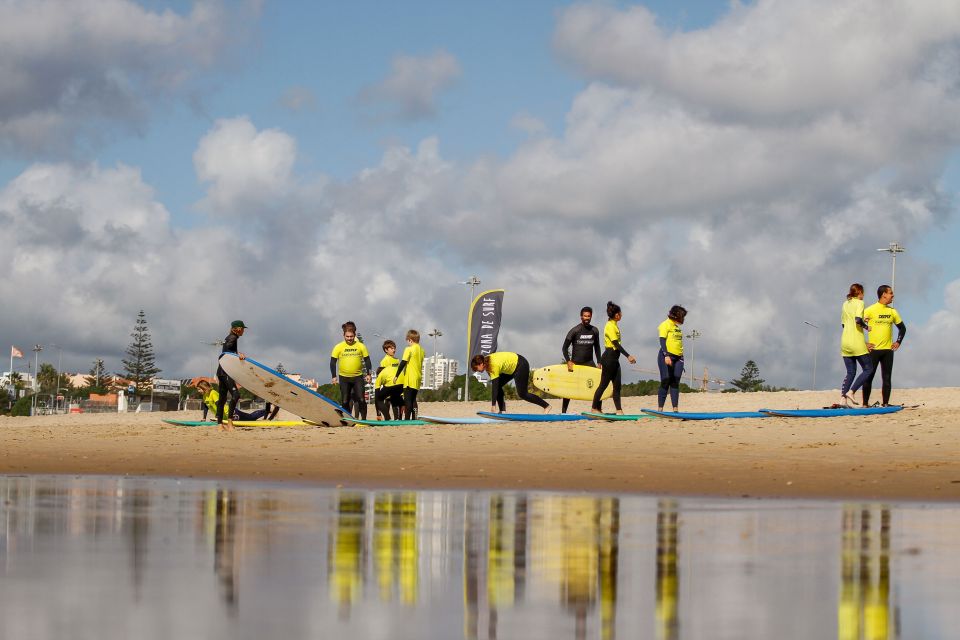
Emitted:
<point x="389" y="394"/>
<point x="880" y="318"/>
<point x="412" y="364"/>
<point x="211" y="397"/>
<point x="610" y="360"/>
<point x="670" y="358"/>
<point x="502" y="367"/>
<point x="853" y="348"/>
<point x="352" y="360"/>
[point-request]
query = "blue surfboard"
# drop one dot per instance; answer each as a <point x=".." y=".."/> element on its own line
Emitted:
<point x="534" y="417"/>
<point x="716" y="415"/>
<point x="830" y="413"/>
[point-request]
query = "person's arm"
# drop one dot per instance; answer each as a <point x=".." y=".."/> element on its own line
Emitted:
<point x="403" y="365"/>
<point x="205" y="408"/>
<point x="333" y="367"/>
<point x="367" y="365"/>
<point x="619" y="348"/>
<point x="596" y="344"/>
<point x="901" y="334"/>
<point x="861" y="324"/>
<point x="494" y="391"/>
<point x="565" y="349"/>
<point x="663" y="344"/>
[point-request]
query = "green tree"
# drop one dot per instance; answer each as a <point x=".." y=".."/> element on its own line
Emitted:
<point x="97" y="379"/>
<point x="140" y="365"/>
<point x="47" y="378"/>
<point x="281" y="369"/>
<point x="749" y="379"/>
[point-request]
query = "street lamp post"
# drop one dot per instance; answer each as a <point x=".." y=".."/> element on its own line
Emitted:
<point x="474" y="281"/>
<point x="37" y="348"/>
<point x="56" y="394"/>
<point x="893" y="250"/>
<point x="693" y="335"/>
<point x="816" y="352"/>
<point x="436" y="333"/>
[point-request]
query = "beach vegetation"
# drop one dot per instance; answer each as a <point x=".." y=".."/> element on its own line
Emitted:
<point x="749" y="379"/>
<point x="140" y="365"/>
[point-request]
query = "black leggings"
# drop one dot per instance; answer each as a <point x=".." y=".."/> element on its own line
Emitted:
<point x="386" y="397"/>
<point x="351" y="391"/>
<point x="227" y="387"/>
<point x="410" y="406"/>
<point x="610" y="361"/>
<point x="883" y="360"/>
<point x="520" y="377"/>
<point x="670" y="375"/>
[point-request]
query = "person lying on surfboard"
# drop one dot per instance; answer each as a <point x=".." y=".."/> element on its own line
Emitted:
<point x="211" y="397"/>
<point x="502" y="367"/>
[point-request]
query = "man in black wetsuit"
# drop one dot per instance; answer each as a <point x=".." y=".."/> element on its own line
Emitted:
<point x="585" y="340"/>
<point x="227" y="384"/>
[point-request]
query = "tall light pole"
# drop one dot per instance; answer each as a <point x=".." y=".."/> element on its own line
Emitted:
<point x="56" y="394"/>
<point x="893" y="250"/>
<point x="474" y="281"/>
<point x="436" y="333"/>
<point x="816" y="352"/>
<point x="37" y="348"/>
<point x="693" y="335"/>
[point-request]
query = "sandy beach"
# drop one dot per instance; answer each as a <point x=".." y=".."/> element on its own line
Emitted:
<point x="910" y="455"/>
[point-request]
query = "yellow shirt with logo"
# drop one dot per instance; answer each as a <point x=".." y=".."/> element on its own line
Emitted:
<point x="389" y="372"/>
<point x="674" y="335"/>
<point x="611" y="333"/>
<point x="852" y="343"/>
<point x="502" y="362"/>
<point x="211" y="399"/>
<point x="350" y="358"/>
<point x="413" y="356"/>
<point x="881" y="318"/>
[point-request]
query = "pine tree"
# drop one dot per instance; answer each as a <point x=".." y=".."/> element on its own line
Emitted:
<point x="97" y="378"/>
<point x="140" y="366"/>
<point x="281" y="369"/>
<point x="749" y="379"/>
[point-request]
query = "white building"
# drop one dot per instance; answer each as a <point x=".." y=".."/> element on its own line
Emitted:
<point x="437" y="371"/>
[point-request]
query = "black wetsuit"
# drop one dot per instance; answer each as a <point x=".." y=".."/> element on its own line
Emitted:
<point x="585" y="340"/>
<point x="610" y="361"/>
<point x="227" y="384"/>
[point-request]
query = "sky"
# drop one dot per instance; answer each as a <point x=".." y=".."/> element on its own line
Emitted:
<point x="299" y="164"/>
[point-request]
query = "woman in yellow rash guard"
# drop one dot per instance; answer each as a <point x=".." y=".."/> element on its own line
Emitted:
<point x="502" y="367"/>
<point x="610" y="360"/>
<point x="412" y="364"/>
<point x="670" y="358"/>
<point x="389" y="394"/>
<point x="352" y="359"/>
<point x="853" y="348"/>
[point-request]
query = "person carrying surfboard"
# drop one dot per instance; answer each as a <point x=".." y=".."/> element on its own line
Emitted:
<point x="388" y="393"/>
<point x="412" y="364"/>
<point x="853" y="348"/>
<point x="610" y="360"/>
<point x="670" y="358"/>
<point x="228" y="387"/>
<point x="585" y="340"/>
<point x="348" y="362"/>
<point x="880" y="318"/>
<point x="502" y="367"/>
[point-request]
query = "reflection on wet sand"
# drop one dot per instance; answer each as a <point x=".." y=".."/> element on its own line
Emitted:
<point x="438" y="565"/>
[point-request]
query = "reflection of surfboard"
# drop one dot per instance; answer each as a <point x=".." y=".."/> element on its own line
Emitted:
<point x="274" y="387"/>
<point x="461" y="420"/>
<point x="579" y="384"/>
<point x="237" y="423"/>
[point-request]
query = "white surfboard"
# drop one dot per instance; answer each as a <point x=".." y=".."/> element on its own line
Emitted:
<point x="275" y="387"/>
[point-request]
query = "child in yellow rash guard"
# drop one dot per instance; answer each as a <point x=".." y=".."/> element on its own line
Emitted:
<point x="389" y="394"/>
<point x="412" y="365"/>
<point x="880" y="318"/>
<point x="502" y="367"/>
<point x="853" y="348"/>
<point x="352" y="360"/>
<point x="610" y="360"/>
<point x="670" y="357"/>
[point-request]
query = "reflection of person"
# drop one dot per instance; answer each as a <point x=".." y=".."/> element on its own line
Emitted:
<point x="880" y="318"/>
<point x="211" y="397"/>
<point x="853" y="348"/>
<point x="610" y="360"/>
<point x="227" y="385"/>
<point x="351" y="359"/>
<point x="412" y="364"/>
<point x="585" y="340"/>
<point x="388" y="393"/>
<point x="502" y="367"/>
<point x="670" y="357"/>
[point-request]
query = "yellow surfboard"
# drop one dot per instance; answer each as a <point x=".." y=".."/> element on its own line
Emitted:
<point x="579" y="384"/>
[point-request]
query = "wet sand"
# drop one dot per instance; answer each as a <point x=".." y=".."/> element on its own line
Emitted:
<point x="910" y="455"/>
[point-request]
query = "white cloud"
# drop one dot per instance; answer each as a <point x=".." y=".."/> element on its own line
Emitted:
<point x="67" y="67"/>
<point x="298" y="98"/>
<point x="411" y="90"/>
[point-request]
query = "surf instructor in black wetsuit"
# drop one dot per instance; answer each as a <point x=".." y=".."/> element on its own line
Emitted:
<point x="585" y="340"/>
<point x="227" y="385"/>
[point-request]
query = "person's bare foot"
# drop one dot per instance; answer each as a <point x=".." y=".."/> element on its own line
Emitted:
<point x="229" y="424"/>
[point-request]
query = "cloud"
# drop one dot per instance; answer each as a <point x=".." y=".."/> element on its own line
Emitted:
<point x="298" y="98"/>
<point x="70" y="69"/>
<point x="410" y="91"/>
